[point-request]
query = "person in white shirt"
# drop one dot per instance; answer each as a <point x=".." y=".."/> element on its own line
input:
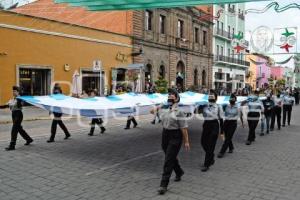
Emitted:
<point x="276" y="113"/>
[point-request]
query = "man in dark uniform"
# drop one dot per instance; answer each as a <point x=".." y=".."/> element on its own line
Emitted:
<point x="288" y="102"/>
<point x="15" y="106"/>
<point x="276" y="112"/>
<point x="57" y="119"/>
<point x="268" y="108"/>
<point x="213" y="123"/>
<point x="97" y="120"/>
<point x="174" y="132"/>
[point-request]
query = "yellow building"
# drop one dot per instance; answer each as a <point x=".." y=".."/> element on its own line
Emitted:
<point x="251" y="75"/>
<point x="35" y="53"/>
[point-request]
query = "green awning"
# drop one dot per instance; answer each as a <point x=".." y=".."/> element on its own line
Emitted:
<point x="98" y="5"/>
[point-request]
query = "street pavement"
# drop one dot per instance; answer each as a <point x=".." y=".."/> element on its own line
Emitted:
<point x="128" y="165"/>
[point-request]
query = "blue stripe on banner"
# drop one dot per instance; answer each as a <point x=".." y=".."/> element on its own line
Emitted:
<point x="190" y="93"/>
<point x="53" y="109"/>
<point x="58" y="97"/>
<point x="29" y="99"/>
<point x="114" y="98"/>
<point x="127" y="110"/>
<point x="90" y="99"/>
<point x="226" y="99"/>
<point x="205" y="98"/>
<point x="88" y="113"/>
<point x="132" y="94"/>
<point x="152" y="96"/>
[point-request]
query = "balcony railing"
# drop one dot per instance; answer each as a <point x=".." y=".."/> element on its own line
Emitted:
<point x="232" y="10"/>
<point x="182" y="43"/>
<point x="227" y="59"/>
<point x="223" y="33"/>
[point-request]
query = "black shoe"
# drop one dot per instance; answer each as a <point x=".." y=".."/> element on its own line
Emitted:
<point x="159" y="121"/>
<point x="220" y="155"/>
<point x="135" y="126"/>
<point x="230" y="151"/>
<point x="153" y="122"/>
<point x="204" y="168"/>
<point x="262" y="134"/>
<point x="278" y="129"/>
<point x="28" y="142"/>
<point x="91" y="134"/>
<point x="67" y="136"/>
<point x="268" y="132"/>
<point x="289" y="124"/>
<point x="162" y="190"/>
<point x="283" y="125"/>
<point x="212" y="163"/>
<point x="50" y="141"/>
<point x="10" y="148"/>
<point x="178" y="177"/>
<point x="127" y="128"/>
<point x="103" y="130"/>
<point x="248" y="143"/>
<point x="272" y="129"/>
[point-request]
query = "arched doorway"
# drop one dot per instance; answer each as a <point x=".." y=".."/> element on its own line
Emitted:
<point x="162" y="72"/>
<point x="196" y="78"/>
<point x="180" y="76"/>
<point x="203" y="78"/>
<point x="148" y="73"/>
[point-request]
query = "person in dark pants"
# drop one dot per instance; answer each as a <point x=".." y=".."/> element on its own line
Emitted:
<point x="57" y="119"/>
<point x="296" y="96"/>
<point x="213" y="123"/>
<point x="276" y="113"/>
<point x="15" y="106"/>
<point x="98" y="121"/>
<point x="288" y="101"/>
<point x="255" y="109"/>
<point x="174" y="133"/>
<point x="268" y="110"/>
<point x="231" y="114"/>
<point x="129" y="120"/>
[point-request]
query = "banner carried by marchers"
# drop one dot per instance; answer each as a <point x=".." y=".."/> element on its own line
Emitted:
<point x="117" y="105"/>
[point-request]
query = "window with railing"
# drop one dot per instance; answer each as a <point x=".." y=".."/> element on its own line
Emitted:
<point x="148" y="20"/>
<point x="180" y="28"/>
<point x="162" y="24"/>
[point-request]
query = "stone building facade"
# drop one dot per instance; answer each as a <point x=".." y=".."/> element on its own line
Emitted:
<point x="174" y="44"/>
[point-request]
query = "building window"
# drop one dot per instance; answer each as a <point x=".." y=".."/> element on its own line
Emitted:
<point x="222" y="27"/>
<point x="162" y="24"/>
<point x="180" y="29"/>
<point x="148" y="20"/>
<point x="203" y="78"/>
<point x="229" y="31"/>
<point x="228" y="51"/>
<point x="218" y="51"/>
<point x="162" y="71"/>
<point x="204" y="39"/>
<point x="222" y="51"/>
<point x="195" y="77"/>
<point x="233" y="31"/>
<point x="218" y="26"/>
<point x="196" y="35"/>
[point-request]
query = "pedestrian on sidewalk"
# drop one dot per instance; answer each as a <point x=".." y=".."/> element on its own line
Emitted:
<point x="98" y="121"/>
<point x="212" y="126"/>
<point x="255" y="110"/>
<point x="15" y="105"/>
<point x="231" y="114"/>
<point x="288" y="102"/>
<point x="174" y="133"/>
<point x="57" y="119"/>
<point x="268" y="110"/>
<point x="276" y="113"/>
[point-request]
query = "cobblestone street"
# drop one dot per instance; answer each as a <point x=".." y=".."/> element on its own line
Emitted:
<point x="127" y="165"/>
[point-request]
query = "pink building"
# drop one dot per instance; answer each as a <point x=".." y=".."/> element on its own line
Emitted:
<point x="263" y="71"/>
<point x="277" y="72"/>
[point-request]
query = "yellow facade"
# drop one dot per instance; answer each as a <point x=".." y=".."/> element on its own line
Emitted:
<point x="251" y="77"/>
<point x="57" y="48"/>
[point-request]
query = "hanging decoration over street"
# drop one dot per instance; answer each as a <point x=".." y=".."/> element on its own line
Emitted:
<point x="238" y="42"/>
<point x="278" y="63"/>
<point x="285" y="39"/>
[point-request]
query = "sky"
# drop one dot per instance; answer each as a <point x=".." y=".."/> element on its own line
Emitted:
<point x="271" y="19"/>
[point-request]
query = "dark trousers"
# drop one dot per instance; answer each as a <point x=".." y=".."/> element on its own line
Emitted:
<point x="287" y="110"/>
<point x="171" y="144"/>
<point x="129" y="120"/>
<point x="209" y="140"/>
<point x="17" y="118"/>
<point x="97" y="121"/>
<point x="229" y="129"/>
<point x="57" y="121"/>
<point x="276" y="114"/>
<point x="253" y="119"/>
<point x="266" y="121"/>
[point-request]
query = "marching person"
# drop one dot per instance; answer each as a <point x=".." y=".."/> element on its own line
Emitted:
<point x="130" y="119"/>
<point x="15" y="105"/>
<point x="268" y="110"/>
<point x="255" y="110"/>
<point x="98" y="121"/>
<point x="213" y="123"/>
<point x="231" y="114"/>
<point x="57" y="119"/>
<point x="288" y="101"/>
<point x="174" y="132"/>
<point x="156" y="116"/>
<point x="276" y="112"/>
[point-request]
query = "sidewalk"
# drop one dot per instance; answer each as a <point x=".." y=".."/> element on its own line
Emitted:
<point x="31" y="113"/>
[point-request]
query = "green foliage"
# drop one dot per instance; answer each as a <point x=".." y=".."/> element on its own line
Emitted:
<point x="161" y="85"/>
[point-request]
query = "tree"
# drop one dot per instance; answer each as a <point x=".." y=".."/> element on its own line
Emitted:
<point x="161" y="85"/>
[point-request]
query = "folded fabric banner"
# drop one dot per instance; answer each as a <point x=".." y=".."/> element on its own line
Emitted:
<point x="117" y="105"/>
